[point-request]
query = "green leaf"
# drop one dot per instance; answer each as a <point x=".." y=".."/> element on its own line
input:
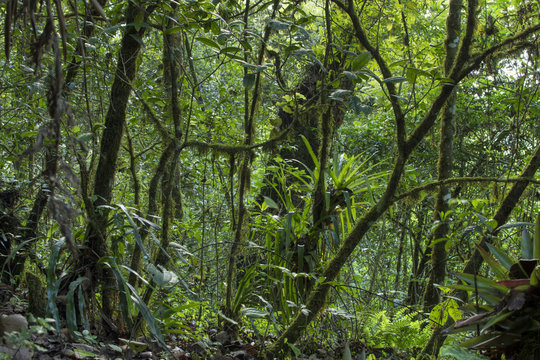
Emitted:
<point x="526" y="245"/>
<point x="394" y="80"/>
<point x="355" y="104"/>
<point x="71" y="313"/>
<point x="313" y="157"/>
<point x="221" y="315"/>
<point x="295" y="350"/>
<point x="162" y="276"/>
<point x="139" y="20"/>
<point x="501" y="256"/>
<point x="535" y="277"/>
<point x="460" y="353"/>
<point x="85" y="137"/>
<point x="249" y="80"/>
<point x="209" y="42"/>
<point x="230" y="49"/>
<point x="123" y="293"/>
<point x="496" y="319"/>
<point x="254" y="313"/>
<point x="484" y="284"/>
<point x="83" y="354"/>
<point x="519" y="224"/>
<point x="53" y="284"/>
<point x="490" y="298"/>
<point x="147" y="315"/>
<point x="340" y="94"/>
<point x="347" y="352"/>
<point x="278" y="25"/>
<point x="136" y="233"/>
<point x="412" y="73"/>
<point x="500" y="271"/>
<point x="360" y="61"/>
<point x="271" y="203"/>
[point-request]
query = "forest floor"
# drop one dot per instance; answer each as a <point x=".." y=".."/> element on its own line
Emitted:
<point x="25" y="338"/>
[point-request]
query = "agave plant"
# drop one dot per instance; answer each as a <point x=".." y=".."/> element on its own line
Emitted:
<point x="509" y="316"/>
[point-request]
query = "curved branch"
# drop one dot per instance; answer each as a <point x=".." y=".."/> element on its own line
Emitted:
<point x="385" y="71"/>
<point x="416" y="192"/>
<point x="478" y="58"/>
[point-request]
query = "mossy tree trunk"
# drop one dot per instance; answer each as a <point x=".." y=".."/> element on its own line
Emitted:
<point x="95" y="240"/>
<point x="444" y="167"/>
<point x="251" y="104"/>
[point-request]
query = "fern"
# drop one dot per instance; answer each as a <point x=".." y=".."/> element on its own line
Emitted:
<point x="401" y="332"/>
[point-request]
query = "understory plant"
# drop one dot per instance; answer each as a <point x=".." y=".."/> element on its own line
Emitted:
<point x="504" y="309"/>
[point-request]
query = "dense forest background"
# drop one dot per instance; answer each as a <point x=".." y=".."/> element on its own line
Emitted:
<point x="250" y="179"/>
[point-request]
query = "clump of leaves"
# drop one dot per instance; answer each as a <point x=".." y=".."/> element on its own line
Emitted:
<point x="401" y="331"/>
<point x="509" y="313"/>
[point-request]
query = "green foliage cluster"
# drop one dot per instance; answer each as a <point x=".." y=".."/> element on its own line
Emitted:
<point x="402" y="331"/>
<point x="185" y="166"/>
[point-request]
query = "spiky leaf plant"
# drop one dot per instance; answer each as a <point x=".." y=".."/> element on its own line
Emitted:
<point x="509" y="316"/>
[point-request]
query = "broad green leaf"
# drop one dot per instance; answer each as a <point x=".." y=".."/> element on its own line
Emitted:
<point x="71" y="310"/>
<point x="173" y="30"/>
<point x="295" y="350"/>
<point x="209" y="42"/>
<point x="53" y="284"/>
<point x="340" y="94"/>
<point x="139" y="20"/>
<point x="230" y="49"/>
<point x="360" y="61"/>
<point x="278" y="25"/>
<point x="254" y="313"/>
<point x="347" y="352"/>
<point x="483" y="283"/>
<point x="248" y="80"/>
<point x="535" y="277"/>
<point x="412" y="73"/>
<point x="501" y="256"/>
<point x="460" y="353"/>
<point x="394" y="80"/>
<point x="495" y="319"/>
<point x="477" y="340"/>
<point x="228" y="319"/>
<point x="85" y="354"/>
<point x="526" y="245"/>
<point x="271" y="203"/>
<point x="491" y="224"/>
<point x="500" y="271"/>
<point x="488" y="296"/>
<point x="355" y="104"/>
<point x="147" y="315"/>
<point x="519" y="224"/>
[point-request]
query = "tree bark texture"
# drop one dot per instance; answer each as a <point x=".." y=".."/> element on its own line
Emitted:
<point x="111" y="138"/>
<point x="444" y="167"/>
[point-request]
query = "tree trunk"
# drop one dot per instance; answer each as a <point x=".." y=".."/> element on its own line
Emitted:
<point x="446" y="146"/>
<point x="95" y="240"/>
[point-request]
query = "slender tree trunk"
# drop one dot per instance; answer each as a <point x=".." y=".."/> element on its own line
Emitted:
<point x="446" y="147"/>
<point x="95" y="240"/>
<point x="244" y="173"/>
